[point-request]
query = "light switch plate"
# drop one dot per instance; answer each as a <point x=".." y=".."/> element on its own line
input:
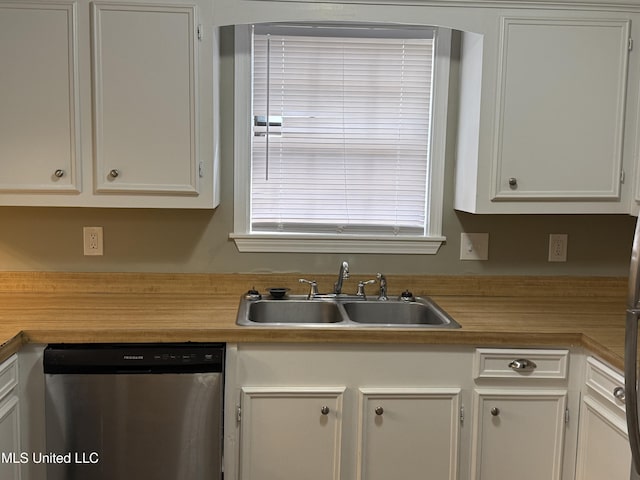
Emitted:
<point x="474" y="246"/>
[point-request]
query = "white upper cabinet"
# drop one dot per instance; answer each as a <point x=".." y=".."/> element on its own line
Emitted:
<point x="39" y="130"/>
<point x="561" y="95"/>
<point x="110" y="104"/>
<point x="546" y="134"/>
<point x="145" y="111"/>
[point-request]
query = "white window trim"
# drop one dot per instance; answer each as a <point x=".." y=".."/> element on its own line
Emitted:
<point x="335" y="243"/>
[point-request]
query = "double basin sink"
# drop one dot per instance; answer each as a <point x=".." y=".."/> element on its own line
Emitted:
<point x="342" y="311"/>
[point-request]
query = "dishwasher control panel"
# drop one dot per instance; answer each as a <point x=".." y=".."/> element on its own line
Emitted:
<point x="134" y="358"/>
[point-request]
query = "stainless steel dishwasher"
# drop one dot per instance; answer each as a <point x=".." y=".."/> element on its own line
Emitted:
<point x="127" y="411"/>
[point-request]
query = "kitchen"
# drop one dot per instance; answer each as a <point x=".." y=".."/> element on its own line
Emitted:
<point x="36" y="239"/>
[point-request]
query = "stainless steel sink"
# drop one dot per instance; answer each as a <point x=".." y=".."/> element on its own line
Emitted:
<point x="294" y="311"/>
<point x="421" y="312"/>
<point x="343" y="311"/>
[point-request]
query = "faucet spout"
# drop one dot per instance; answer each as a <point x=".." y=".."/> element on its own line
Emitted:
<point x="383" y="287"/>
<point x="342" y="274"/>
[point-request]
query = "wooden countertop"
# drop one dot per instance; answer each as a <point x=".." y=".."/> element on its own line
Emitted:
<point x="493" y="311"/>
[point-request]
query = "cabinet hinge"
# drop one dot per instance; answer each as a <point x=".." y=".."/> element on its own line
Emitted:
<point x="199" y="32"/>
<point x="621" y="176"/>
<point x="238" y="413"/>
<point x="201" y="169"/>
<point x="566" y="415"/>
<point x="462" y="415"/>
<point x="630" y="44"/>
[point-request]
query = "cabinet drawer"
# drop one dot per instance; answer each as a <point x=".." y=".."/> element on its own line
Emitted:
<point x="8" y="376"/>
<point x="493" y="363"/>
<point x="605" y="382"/>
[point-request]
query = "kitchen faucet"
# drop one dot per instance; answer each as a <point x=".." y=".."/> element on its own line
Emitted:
<point x="383" y="287"/>
<point x="342" y="274"/>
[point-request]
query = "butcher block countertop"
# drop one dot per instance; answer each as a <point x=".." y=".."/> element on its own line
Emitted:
<point x="509" y="311"/>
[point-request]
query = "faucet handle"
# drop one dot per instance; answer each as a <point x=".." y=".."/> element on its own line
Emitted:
<point x="313" y="287"/>
<point x="361" y="285"/>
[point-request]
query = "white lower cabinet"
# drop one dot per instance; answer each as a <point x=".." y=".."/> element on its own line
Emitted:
<point x="291" y="433"/>
<point x="10" y="438"/>
<point x="405" y="433"/>
<point x="519" y="434"/>
<point x="520" y="400"/>
<point x="603" y="448"/>
<point x="344" y="412"/>
<point x="379" y="412"/>
<point x="402" y="433"/>
<point x="10" y="446"/>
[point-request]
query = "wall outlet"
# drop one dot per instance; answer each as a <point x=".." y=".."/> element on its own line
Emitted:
<point x="474" y="246"/>
<point x="558" y="247"/>
<point x="92" y="239"/>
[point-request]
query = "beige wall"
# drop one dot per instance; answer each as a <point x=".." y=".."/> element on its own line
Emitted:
<point x="197" y="241"/>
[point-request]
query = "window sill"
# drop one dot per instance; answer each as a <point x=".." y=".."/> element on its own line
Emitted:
<point x="298" y="243"/>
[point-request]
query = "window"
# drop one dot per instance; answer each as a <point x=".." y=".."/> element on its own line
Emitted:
<point x="340" y="138"/>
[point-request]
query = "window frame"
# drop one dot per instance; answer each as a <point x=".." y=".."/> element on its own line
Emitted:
<point x="247" y="241"/>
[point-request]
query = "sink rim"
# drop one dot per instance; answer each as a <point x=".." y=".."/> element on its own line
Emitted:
<point x="346" y="321"/>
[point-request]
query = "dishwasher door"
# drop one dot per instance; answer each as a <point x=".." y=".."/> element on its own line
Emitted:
<point x="140" y="421"/>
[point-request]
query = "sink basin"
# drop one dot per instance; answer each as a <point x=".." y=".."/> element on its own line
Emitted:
<point x="293" y="311"/>
<point x="342" y="311"/>
<point x="398" y="313"/>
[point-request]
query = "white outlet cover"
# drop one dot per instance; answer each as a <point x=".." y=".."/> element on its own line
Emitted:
<point x="558" y="247"/>
<point x="92" y="241"/>
<point x="474" y="246"/>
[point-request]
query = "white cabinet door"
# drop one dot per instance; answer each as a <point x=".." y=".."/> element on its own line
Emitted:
<point x="561" y="103"/>
<point x="603" y="445"/>
<point x="291" y="433"/>
<point x="10" y="438"/>
<point x="108" y="104"/>
<point x="39" y="131"/>
<point x="518" y="434"/>
<point x="145" y="98"/>
<point x="547" y="124"/>
<point x="408" y="433"/>
<point x="10" y="445"/>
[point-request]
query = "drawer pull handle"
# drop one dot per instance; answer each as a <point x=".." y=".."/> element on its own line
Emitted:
<point x="324" y="410"/>
<point x="618" y="392"/>
<point x="495" y="411"/>
<point x="522" y="365"/>
<point x="379" y="411"/>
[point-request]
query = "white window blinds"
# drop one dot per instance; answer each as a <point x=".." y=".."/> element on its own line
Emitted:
<point x="346" y="144"/>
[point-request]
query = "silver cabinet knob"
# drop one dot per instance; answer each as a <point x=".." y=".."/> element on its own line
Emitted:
<point x="495" y="411"/>
<point x="523" y="365"/>
<point x="59" y="173"/>
<point x="324" y="410"/>
<point x="513" y="182"/>
<point x="379" y="410"/>
<point x="114" y="173"/>
<point x="618" y="392"/>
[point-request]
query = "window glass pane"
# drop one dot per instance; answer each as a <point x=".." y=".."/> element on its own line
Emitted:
<point x="346" y="147"/>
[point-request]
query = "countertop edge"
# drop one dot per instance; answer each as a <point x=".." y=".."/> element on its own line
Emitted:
<point x="362" y="336"/>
